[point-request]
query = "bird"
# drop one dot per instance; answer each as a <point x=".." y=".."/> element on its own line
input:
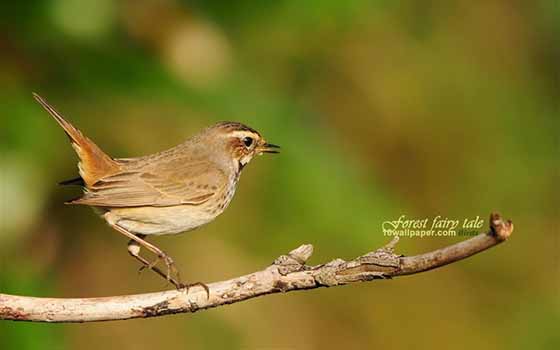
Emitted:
<point x="166" y="193"/>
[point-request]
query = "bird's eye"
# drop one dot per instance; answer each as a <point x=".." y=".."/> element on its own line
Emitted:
<point x="248" y="141"/>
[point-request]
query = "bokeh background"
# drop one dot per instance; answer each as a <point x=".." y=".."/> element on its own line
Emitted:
<point x="383" y="108"/>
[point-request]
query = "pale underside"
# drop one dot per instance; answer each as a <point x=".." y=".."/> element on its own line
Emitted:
<point x="160" y="220"/>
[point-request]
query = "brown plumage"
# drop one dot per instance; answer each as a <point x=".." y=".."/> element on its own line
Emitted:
<point x="169" y="192"/>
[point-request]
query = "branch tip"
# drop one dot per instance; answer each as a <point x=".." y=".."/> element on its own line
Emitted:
<point x="499" y="228"/>
<point x="294" y="260"/>
<point x="302" y="253"/>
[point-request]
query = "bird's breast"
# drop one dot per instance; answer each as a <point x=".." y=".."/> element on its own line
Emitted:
<point x="218" y="205"/>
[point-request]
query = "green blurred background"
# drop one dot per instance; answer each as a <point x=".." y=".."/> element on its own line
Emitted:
<point x="383" y="108"/>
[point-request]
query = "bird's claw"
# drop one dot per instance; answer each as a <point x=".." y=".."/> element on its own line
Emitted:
<point x="186" y="287"/>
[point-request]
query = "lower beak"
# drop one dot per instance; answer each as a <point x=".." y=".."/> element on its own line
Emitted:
<point x="269" y="148"/>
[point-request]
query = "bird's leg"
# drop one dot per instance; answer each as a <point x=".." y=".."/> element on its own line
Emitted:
<point x="160" y="253"/>
<point x="134" y="251"/>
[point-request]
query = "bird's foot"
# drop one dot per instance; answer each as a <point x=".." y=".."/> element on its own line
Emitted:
<point x="187" y="287"/>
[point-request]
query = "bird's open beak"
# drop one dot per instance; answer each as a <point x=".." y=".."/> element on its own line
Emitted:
<point x="269" y="148"/>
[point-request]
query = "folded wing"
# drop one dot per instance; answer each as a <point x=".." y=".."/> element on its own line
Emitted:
<point x="173" y="182"/>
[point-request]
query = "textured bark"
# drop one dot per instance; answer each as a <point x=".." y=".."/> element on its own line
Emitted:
<point x="287" y="273"/>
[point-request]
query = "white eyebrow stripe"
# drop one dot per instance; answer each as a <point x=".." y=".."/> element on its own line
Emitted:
<point x="244" y="133"/>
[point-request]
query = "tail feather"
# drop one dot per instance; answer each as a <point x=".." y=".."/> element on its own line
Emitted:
<point x="78" y="181"/>
<point x="94" y="163"/>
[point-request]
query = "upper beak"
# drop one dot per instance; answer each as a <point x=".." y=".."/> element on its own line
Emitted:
<point x="269" y="148"/>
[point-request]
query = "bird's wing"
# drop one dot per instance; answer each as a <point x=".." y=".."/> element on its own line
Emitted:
<point x="172" y="182"/>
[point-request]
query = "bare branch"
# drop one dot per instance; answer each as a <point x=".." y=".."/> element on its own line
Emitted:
<point x="287" y="273"/>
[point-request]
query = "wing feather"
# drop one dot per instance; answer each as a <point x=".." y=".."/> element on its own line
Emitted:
<point x="172" y="182"/>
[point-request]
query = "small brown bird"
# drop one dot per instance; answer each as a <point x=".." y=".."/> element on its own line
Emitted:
<point x="170" y="192"/>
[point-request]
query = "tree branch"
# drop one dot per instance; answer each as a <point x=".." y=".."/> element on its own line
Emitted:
<point x="287" y="273"/>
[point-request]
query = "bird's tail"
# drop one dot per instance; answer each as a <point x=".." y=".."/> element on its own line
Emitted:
<point x="94" y="163"/>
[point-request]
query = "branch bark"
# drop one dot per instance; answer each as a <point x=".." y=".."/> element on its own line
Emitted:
<point x="287" y="273"/>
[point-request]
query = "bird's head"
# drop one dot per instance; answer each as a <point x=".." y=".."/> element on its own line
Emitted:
<point x="241" y="142"/>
